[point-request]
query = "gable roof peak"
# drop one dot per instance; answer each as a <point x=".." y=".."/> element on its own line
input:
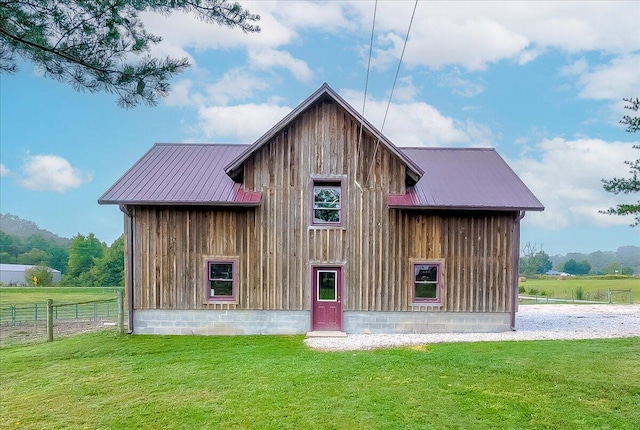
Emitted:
<point x="235" y="167"/>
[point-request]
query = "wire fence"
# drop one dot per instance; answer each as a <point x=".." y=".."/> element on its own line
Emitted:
<point x="27" y="323"/>
<point x="578" y="296"/>
<point x="94" y="310"/>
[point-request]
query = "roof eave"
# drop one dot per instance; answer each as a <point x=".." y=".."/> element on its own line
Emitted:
<point x="468" y="208"/>
<point x="181" y="203"/>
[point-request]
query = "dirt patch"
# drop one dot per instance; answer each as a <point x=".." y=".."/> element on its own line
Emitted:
<point x="36" y="332"/>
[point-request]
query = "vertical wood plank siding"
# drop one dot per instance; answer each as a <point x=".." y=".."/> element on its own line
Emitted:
<point x="276" y="246"/>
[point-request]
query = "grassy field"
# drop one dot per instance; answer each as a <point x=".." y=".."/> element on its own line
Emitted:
<point x="101" y="381"/>
<point x="594" y="286"/>
<point x="29" y="295"/>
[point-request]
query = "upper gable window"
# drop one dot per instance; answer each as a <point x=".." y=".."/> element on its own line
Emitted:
<point x="327" y="202"/>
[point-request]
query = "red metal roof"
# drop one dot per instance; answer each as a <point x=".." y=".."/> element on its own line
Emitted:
<point x="470" y="178"/>
<point x="182" y="174"/>
<point x="194" y="174"/>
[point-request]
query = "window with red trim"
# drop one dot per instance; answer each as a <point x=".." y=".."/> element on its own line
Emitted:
<point x="327" y="202"/>
<point x="221" y="282"/>
<point x="426" y="282"/>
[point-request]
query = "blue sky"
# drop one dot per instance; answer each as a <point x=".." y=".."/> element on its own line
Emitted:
<point x="542" y="82"/>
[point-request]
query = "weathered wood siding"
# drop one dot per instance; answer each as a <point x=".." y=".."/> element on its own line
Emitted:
<point x="276" y="246"/>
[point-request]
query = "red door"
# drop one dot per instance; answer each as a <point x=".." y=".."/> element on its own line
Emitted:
<point x="326" y="313"/>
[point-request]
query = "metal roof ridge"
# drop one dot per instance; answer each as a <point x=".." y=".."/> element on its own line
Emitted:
<point x="446" y="148"/>
<point x="199" y="144"/>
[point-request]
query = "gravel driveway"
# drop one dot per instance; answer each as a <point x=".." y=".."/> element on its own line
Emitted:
<point x="533" y="322"/>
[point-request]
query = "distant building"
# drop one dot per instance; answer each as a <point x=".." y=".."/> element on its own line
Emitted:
<point x="556" y="273"/>
<point x="14" y="273"/>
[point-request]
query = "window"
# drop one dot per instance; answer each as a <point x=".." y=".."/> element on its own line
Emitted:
<point x="221" y="280"/>
<point x="327" y="203"/>
<point x="426" y="282"/>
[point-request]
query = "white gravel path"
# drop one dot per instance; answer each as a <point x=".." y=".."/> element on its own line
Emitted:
<point x="533" y="322"/>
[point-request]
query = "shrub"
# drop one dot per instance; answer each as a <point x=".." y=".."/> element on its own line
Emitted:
<point x="38" y="275"/>
<point x="543" y="293"/>
<point x="579" y="293"/>
<point x="521" y="289"/>
<point x="533" y="292"/>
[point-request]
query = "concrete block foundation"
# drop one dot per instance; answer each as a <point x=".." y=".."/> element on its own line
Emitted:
<point x="425" y="322"/>
<point x="247" y="322"/>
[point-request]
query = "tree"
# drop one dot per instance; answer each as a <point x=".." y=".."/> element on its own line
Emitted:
<point x="58" y="258"/>
<point x="10" y="244"/>
<point x="38" y="241"/>
<point x="40" y="276"/>
<point x="91" y="44"/>
<point x="534" y="261"/>
<point x="5" y="257"/>
<point x="574" y="268"/>
<point x="34" y="257"/>
<point x="632" y="184"/>
<point x="109" y="270"/>
<point x="83" y="254"/>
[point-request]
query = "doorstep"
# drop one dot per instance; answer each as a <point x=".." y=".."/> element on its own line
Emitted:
<point x="326" y="334"/>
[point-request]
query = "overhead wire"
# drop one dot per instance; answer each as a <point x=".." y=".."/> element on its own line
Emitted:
<point x="366" y="82"/>
<point x="395" y="80"/>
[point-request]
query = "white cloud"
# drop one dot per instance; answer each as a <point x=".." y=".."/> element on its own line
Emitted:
<point x="236" y="84"/>
<point x="578" y="67"/>
<point x="405" y="90"/>
<point x="182" y="95"/>
<point x="566" y="176"/>
<point x="620" y="78"/>
<point x="241" y="123"/>
<point x="459" y="85"/>
<point x="420" y="124"/>
<point x="326" y="16"/>
<point x="4" y="171"/>
<point x="475" y="34"/>
<point x="50" y="173"/>
<point x="271" y="58"/>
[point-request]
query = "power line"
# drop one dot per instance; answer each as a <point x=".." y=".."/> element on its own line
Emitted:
<point x="399" y="64"/>
<point x="366" y="83"/>
<point x="395" y="80"/>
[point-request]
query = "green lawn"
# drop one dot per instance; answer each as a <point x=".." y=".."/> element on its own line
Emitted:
<point x="596" y="287"/>
<point x="101" y="381"/>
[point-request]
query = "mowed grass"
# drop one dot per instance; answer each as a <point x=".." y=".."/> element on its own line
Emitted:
<point x="30" y="295"/>
<point x="562" y="288"/>
<point x="102" y="381"/>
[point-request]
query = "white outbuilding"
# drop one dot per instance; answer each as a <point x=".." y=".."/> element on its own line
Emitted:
<point x="15" y="273"/>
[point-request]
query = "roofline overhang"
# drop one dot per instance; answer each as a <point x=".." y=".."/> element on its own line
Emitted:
<point x="234" y="168"/>
<point x="161" y="203"/>
<point x="468" y="208"/>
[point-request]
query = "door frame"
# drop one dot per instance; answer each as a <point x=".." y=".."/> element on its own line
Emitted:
<point x="339" y="268"/>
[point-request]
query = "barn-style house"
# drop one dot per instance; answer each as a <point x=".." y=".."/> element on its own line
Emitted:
<point x="322" y="224"/>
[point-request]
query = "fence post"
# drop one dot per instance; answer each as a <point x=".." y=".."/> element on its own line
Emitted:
<point x="36" y="305"/>
<point x="13" y="315"/>
<point x="609" y="294"/>
<point x="49" y="320"/>
<point x="120" y="313"/>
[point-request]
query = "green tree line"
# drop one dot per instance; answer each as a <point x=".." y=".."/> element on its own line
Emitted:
<point x="85" y="261"/>
<point x="625" y="261"/>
